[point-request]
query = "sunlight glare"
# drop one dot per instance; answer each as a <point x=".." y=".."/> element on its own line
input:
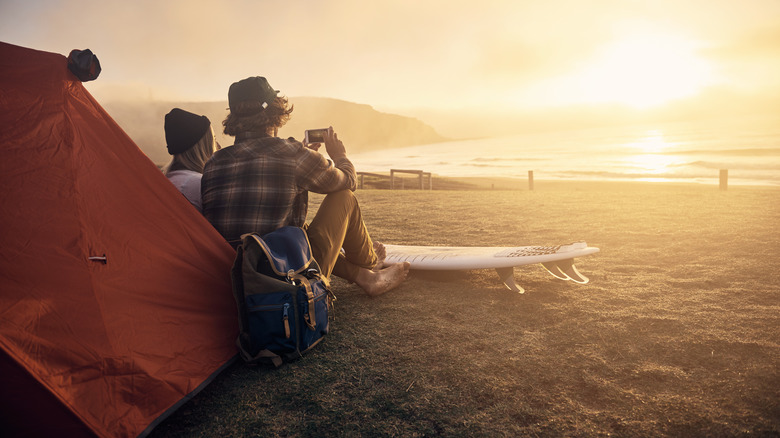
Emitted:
<point x="651" y="163"/>
<point x="649" y="157"/>
<point x="652" y="142"/>
<point x="644" y="71"/>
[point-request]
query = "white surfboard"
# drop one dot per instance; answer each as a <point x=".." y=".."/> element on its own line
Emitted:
<point x="558" y="260"/>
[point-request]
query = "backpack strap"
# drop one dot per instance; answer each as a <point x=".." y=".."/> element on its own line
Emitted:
<point x="311" y="320"/>
<point x="287" y="249"/>
<point x="262" y="354"/>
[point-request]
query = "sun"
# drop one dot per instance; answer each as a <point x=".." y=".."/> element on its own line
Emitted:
<point x="644" y="70"/>
<point x="642" y="67"/>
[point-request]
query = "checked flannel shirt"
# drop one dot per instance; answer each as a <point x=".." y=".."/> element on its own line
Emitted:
<point x="261" y="184"/>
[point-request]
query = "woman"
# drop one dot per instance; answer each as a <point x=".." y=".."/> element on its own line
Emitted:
<point x="191" y="141"/>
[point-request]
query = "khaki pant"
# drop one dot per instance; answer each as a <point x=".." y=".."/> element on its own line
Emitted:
<point x="339" y="224"/>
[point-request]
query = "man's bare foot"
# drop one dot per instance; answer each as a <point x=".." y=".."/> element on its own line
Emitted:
<point x="381" y="254"/>
<point x="378" y="282"/>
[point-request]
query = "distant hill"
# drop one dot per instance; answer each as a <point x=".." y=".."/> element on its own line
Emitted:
<point x="359" y="126"/>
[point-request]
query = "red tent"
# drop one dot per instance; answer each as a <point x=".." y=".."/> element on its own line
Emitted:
<point x="115" y="297"/>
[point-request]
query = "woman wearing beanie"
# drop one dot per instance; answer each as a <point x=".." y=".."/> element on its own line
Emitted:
<point x="191" y="141"/>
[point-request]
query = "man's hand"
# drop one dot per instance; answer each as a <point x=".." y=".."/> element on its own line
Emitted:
<point x="333" y="145"/>
<point x="312" y="146"/>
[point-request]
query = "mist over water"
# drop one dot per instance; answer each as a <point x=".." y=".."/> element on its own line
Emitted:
<point x="673" y="152"/>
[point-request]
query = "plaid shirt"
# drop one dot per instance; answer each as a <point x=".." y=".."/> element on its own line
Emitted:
<point x="262" y="184"/>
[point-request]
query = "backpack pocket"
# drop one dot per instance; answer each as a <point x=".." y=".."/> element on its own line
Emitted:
<point x="272" y="322"/>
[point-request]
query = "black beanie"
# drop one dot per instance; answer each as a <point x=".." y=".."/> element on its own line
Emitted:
<point x="183" y="129"/>
<point x="255" y="89"/>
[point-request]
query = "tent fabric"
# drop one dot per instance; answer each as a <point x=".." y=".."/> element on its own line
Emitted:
<point x="115" y="295"/>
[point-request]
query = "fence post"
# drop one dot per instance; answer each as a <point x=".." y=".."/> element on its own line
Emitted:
<point x="724" y="179"/>
<point x="530" y="180"/>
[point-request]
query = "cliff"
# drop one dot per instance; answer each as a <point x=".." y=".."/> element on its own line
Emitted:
<point x="359" y="126"/>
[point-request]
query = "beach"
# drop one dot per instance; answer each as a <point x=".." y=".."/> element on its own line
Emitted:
<point x="677" y="333"/>
<point x="673" y="152"/>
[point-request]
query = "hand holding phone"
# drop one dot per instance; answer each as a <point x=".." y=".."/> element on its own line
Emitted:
<point x="314" y="137"/>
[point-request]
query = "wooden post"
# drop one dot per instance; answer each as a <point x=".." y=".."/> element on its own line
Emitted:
<point x="430" y="180"/>
<point x="360" y="181"/>
<point x="420" y="177"/>
<point x="530" y="180"/>
<point x="724" y="179"/>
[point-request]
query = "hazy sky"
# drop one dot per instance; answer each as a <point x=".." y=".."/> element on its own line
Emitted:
<point x="396" y="54"/>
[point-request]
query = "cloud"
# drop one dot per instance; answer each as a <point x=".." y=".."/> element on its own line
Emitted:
<point x="750" y="62"/>
<point x="387" y="53"/>
<point x="757" y="44"/>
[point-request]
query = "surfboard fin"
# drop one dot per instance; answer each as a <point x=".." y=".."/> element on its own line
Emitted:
<point x="555" y="270"/>
<point x="567" y="266"/>
<point x="507" y="276"/>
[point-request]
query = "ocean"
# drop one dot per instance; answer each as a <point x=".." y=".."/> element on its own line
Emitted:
<point x="690" y="152"/>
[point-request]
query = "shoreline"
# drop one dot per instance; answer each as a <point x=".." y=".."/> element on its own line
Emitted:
<point x="521" y="183"/>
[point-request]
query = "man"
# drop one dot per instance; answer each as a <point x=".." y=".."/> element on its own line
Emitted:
<point x="261" y="183"/>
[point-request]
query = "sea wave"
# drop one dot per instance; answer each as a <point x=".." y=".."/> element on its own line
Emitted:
<point x="747" y="152"/>
<point x="695" y="154"/>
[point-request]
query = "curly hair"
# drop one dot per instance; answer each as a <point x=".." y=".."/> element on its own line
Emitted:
<point x="250" y="116"/>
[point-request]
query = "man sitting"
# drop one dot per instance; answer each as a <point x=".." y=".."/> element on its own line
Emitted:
<point x="261" y="183"/>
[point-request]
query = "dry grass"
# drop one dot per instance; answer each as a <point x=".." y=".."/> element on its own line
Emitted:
<point x="678" y="333"/>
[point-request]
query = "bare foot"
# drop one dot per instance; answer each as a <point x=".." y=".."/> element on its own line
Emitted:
<point x="381" y="253"/>
<point x="378" y="282"/>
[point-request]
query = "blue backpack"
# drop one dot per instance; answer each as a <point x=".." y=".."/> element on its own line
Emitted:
<point x="283" y="300"/>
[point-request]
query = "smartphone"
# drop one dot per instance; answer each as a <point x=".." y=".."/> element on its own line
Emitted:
<point x="315" y="135"/>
